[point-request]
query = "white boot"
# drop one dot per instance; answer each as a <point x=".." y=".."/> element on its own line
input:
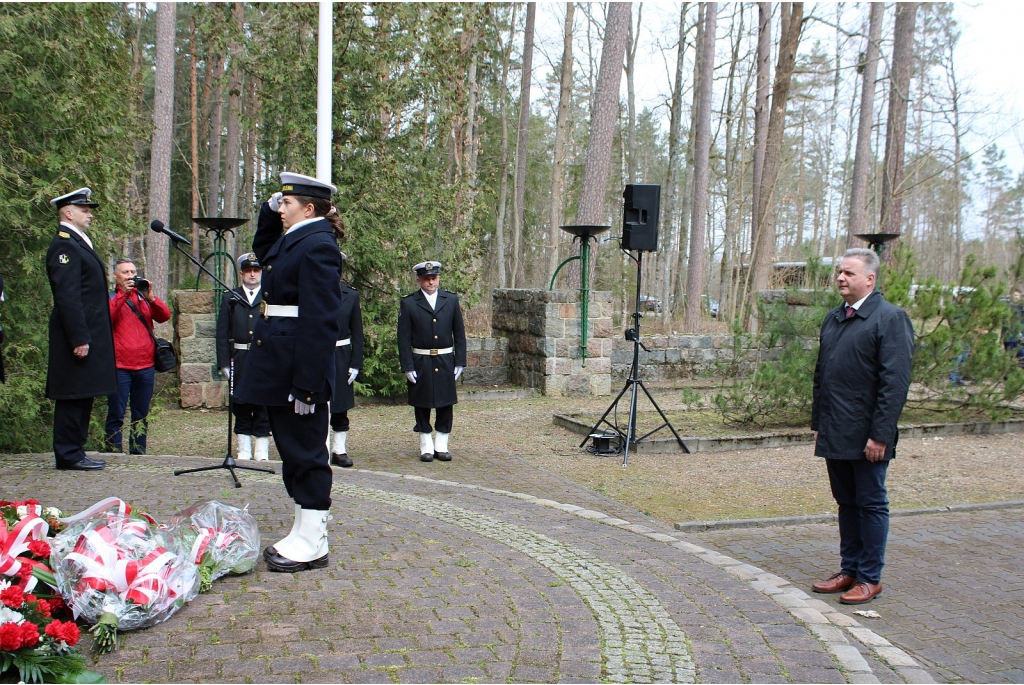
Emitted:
<point x="441" y="447"/>
<point x="262" y="451"/>
<point x="268" y="551"/>
<point x="308" y="548"/>
<point x="244" y="447"/>
<point x="426" y="447"/>
<point x="340" y="443"/>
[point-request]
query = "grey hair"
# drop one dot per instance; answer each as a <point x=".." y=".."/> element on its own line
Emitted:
<point x="867" y="256"/>
<point x="124" y="260"/>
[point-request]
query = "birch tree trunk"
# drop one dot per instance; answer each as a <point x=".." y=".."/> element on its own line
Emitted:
<point x="602" y="119"/>
<point x="701" y="172"/>
<point x="561" y="135"/>
<point x="862" y="156"/>
<point x="519" y="206"/>
<point x="896" y="120"/>
<point x="157" y="255"/>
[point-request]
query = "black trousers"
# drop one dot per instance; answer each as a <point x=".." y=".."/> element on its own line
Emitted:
<point x="339" y="421"/>
<point x="305" y="461"/>
<point x="250" y="419"/>
<point x="442" y="419"/>
<point x="70" y="429"/>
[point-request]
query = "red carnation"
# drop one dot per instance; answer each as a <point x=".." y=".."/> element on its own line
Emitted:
<point x="43" y="607"/>
<point x="39" y="548"/>
<point x="13" y="597"/>
<point x="10" y="637"/>
<point x="64" y="630"/>
<point x="25" y="572"/>
<point x="29" y="634"/>
<point x="57" y="605"/>
<point x="31" y="501"/>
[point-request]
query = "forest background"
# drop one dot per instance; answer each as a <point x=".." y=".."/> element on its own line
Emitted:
<point x="780" y="131"/>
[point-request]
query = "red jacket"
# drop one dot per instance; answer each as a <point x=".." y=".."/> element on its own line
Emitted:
<point x="133" y="346"/>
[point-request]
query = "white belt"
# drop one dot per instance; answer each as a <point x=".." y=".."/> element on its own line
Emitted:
<point x="433" y="353"/>
<point x="342" y="343"/>
<point x="242" y="346"/>
<point x="286" y="310"/>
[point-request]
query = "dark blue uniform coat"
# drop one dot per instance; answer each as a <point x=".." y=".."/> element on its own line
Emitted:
<point x="426" y="328"/>
<point x="350" y="325"/>
<point x="861" y="378"/>
<point x="235" y="325"/>
<point x="81" y="316"/>
<point x="294" y="356"/>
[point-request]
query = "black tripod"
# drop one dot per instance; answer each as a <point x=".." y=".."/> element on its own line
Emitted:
<point x="229" y="462"/>
<point x="628" y="437"/>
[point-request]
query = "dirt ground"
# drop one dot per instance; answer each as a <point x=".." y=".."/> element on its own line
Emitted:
<point x="669" y="487"/>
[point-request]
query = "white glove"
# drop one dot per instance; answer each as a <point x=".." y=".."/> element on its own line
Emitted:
<point x="458" y="372"/>
<point x="301" y="407"/>
<point x="352" y="373"/>
<point x="227" y="372"/>
<point x="275" y="201"/>
<point x="411" y="375"/>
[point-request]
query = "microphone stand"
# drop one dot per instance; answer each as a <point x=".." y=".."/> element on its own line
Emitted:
<point x="229" y="462"/>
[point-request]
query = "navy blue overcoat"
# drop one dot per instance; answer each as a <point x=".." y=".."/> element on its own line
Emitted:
<point x="350" y="325"/>
<point x="421" y="327"/>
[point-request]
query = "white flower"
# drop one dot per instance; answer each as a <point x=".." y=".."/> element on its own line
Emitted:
<point x="4" y="584"/>
<point x="9" y="616"/>
<point x="53" y="512"/>
<point x="22" y="511"/>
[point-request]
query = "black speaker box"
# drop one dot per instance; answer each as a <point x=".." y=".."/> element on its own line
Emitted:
<point x="640" y="217"/>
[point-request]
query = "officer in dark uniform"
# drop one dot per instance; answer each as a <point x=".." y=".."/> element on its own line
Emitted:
<point x="81" y="364"/>
<point x="348" y="361"/>
<point x="290" y="367"/>
<point x="234" y="335"/>
<point x="432" y="351"/>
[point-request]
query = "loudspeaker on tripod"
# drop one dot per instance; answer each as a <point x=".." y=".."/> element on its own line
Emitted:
<point x="640" y="217"/>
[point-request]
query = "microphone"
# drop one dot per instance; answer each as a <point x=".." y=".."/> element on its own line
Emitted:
<point x="157" y="226"/>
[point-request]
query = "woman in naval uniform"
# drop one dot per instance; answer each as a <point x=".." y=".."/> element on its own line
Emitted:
<point x="290" y="367"/>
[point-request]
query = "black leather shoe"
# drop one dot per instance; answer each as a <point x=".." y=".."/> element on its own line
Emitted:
<point x="342" y="460"/>
<point x="83" y="464"/>
<point x="426" y="456"/>
<point x="279" y="564"/>
<point x="443" y="456"/>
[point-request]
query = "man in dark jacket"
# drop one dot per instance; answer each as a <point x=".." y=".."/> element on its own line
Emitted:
<point x="860" y="385"/>
<point x="348" y="362"/>
<point x="432" y="352"/>
<point x="234" y="337"/>
<point x="81" y="363"/>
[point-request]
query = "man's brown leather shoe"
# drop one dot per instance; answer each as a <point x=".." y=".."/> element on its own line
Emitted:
<point x="837" y="582"/>
<point x="861" y="593"/>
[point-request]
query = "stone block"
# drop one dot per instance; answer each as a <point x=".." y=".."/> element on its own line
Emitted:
<point x="185" y="326"/>
<point x="556" y="327"/>
<point x="567" y="311"/>
<point x="600" y="384"/>
<point x="720" y="341"/>
<point x="577" y="386"/>
<point x="474" y="344"/>
<point x="601" y="328"/>
<point x="595" y="348"/>
<point x="553" y="386"/>
<point x="622" y="356"/>
<point x="191" y="395"/>
<point x="488" y="344"/>
<point x="672" y="355"/>
<point x="194" y="373"/>
<point x="198" y="351"/>
<point x="193" y="301"/>
<point x="601" y="296"/>
<point x="206" y="329"/>
<point x="705" y="342"/>
<point x="498" y="359"/>
<point x="216" y="394"/>
<point x="545" y="347"/>
<point x="472" y="359"/>
<point x="563" y="366"/>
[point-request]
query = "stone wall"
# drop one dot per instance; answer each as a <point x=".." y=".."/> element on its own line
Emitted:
<point x="681" y="357"/>
<point x="486" y="361"/>
<point x="543" y="332"/>
<point x="195" y="334"/>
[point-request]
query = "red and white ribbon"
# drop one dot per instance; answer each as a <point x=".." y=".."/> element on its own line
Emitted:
<point x="207" y="537"/>
<point x="14" y="542"/>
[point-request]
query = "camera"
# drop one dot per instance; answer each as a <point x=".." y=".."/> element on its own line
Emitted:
<point x="141" y="284"/>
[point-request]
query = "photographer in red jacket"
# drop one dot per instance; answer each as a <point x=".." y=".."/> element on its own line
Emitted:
<point x="131" y="303"/>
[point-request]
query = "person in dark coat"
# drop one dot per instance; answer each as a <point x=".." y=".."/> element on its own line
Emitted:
<point x="290" y="367"/>
<point x="235" y="324"/>
<point x="432" y="352"/>
<point x="348" y="362"/>
<point x="81" y="359"/>
<point x="861" y="381"/>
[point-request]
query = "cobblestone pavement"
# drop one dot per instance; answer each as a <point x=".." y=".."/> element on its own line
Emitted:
<point x="953" y="594"/>
<point x="479" y="570"/>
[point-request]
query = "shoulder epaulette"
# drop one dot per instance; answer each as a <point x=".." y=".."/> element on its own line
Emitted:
<point x="63" y="234"/>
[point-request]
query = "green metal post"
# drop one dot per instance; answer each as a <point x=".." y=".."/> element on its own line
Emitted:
<point x="584" y="296"/>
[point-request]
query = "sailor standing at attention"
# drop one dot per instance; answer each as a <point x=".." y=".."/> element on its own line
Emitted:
<point x="348" y="361"/>
<point x="432" y="352"/>
<point x="290" y="366"/>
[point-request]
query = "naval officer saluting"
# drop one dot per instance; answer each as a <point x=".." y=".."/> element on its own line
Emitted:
<point x="348" y="362"/>
<point x="290" y="367"/>
<point x="432" y="352"/>
<point x="81" y="363"/>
